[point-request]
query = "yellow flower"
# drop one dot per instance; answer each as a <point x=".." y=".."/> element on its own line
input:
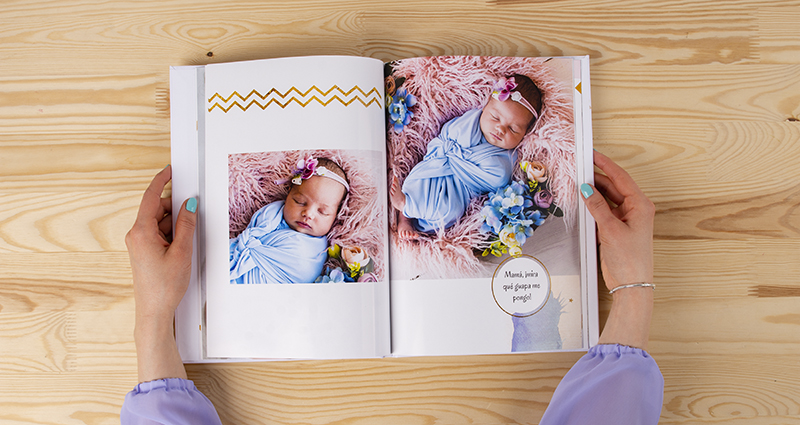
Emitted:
<point x="515" y="251"/>
<point x="334" y="251"/>
<point x="355" y="257"/>
<point x="535" y="171"/>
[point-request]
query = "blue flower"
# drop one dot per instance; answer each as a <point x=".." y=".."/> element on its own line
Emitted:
<point x="399" y="114"/>
<point x="511" y="199"/>
<point x="492" y="219"/>
<point x="512" y="215"/>
<point x="337" y="275"/>
<point x="331" y="276"/>
<point x="537" y="218"/>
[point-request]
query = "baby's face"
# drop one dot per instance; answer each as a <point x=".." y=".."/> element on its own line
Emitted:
<point x="504" y="124"/>
<point x="312" y="206"/>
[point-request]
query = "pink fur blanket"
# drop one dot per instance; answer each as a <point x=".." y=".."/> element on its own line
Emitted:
<point x="446" y="87"/>
<point x="251" y="185"/>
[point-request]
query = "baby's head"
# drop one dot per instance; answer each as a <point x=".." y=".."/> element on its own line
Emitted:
<point x="512" y="111"/>
<point x="311" y="206"/>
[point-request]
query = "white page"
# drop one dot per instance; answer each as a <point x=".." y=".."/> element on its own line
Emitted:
<point x="450" y="312"/>
<point x="186" y="106"/>
<point x="297" y="320"/>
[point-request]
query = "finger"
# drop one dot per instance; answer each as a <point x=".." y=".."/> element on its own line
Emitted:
<point x="165" y="225"/>
<point x="151" y="200"/>
<point x="617" y="175"/>
<point x="597" y="206"/>
<point x="164" y="209"/>
<point x="166" y="204"/>
<point x="183" y="232"/>
<point x="608" y="189"/>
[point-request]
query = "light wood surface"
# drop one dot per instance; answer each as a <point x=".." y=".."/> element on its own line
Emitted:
<point x="699" y="100"/>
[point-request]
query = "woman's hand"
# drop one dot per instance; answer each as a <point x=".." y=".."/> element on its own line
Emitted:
<point x="161" y="272"/>
<point x="625" y="231"/>
<point x="625" y="234"/>
<point x="161" y="269"/>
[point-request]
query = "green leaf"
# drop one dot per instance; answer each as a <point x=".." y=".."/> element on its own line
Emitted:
<point x="388" y="68"/>
<point x="369" y="267"/>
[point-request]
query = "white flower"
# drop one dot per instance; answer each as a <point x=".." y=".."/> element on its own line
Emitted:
<point x="355" y="256"/>
<point x="509" y="237"/>
<point x="535" y="171"/>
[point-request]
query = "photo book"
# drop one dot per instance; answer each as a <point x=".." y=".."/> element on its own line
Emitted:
<point x="350" y="208"/>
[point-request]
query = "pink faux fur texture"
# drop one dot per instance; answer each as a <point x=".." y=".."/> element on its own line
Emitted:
<point x="360" y="222"/>
<point x="447" y="87"/>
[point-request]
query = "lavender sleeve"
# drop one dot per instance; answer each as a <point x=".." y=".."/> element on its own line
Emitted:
<point x="169" y="402"/>
<point x="611" y="384"/>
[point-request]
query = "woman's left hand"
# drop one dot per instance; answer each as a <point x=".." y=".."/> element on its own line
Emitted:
<point x="161" y="273"/>
<point x="161" y="269"/>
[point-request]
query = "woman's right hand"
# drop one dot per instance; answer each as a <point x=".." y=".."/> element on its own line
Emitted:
<point x="625" y="228"/>
<point x="625" y="234"/>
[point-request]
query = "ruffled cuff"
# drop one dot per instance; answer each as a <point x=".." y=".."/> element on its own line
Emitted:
<point x="170" y="401"/>
<point x="610" y="384"/>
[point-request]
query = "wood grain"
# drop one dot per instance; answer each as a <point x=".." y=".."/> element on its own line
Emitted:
<point x="416" y="390"/>
<point x="82" y="104"/>
<point x="778" y="34"/>
<point x="66" y="162"/>
<point x="64" y="222"/>
<point x="698" y="100"/>
<point x="756" y="390"/>
<point x="73" y="399"/>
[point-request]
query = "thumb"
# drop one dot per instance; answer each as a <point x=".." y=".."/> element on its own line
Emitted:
<point x="597" y="205"/>
<point x="184" y="227"/>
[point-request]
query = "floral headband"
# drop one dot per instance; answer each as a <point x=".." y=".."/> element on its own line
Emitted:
<point x="306" y="168"/>
<point x="502" y="90"/>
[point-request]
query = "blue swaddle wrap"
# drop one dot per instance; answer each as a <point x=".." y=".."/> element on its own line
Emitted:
<point x="459" y="165"/>
<point x="269" y="251"/>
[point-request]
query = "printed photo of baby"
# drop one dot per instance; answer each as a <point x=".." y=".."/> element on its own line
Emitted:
<point x="304" y="217"/>
<point x="472" y="155"/>
<point x="481" y="153"/>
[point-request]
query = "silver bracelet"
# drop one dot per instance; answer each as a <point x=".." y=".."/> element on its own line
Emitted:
<point x="634" y="285"/>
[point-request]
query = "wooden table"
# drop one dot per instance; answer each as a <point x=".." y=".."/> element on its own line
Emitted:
<point x="699" y="100"/>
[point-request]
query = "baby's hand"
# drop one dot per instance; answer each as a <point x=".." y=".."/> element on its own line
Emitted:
<point x="161" y="269"/>
<point x="625" y="232"/>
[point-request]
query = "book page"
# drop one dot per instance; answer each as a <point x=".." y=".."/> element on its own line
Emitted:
<point x="488" y="236"/>
<point x="295" y="238"/>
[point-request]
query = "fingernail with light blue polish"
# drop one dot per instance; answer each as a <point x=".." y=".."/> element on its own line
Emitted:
<point x="586" y="190"/>
<point x="191" y="205"/>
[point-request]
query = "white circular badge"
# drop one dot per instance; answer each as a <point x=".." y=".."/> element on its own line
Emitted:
<point x="521" y="286"/>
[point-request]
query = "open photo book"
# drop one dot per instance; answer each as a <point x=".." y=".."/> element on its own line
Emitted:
<point x="350" y="208"/>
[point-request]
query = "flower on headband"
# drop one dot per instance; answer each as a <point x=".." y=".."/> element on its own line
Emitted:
<point x="304" y="169"/>
<point x="503" y="88"/>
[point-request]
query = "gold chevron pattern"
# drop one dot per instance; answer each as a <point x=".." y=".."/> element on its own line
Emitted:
<point x="313" y="94"/>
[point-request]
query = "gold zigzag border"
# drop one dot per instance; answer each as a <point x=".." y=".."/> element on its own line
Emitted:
<point x="374" y="91"/>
